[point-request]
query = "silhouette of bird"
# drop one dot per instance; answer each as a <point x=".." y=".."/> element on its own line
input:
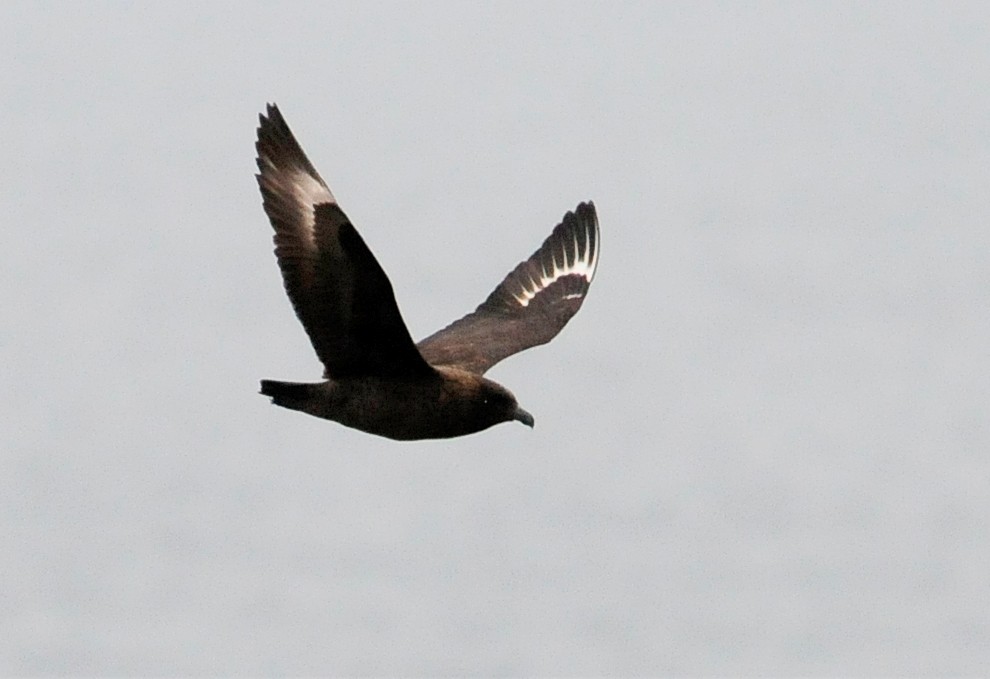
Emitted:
<point x="377" y="379"/>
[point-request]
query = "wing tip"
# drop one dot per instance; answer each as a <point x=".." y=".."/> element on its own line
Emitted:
<point x="571" y="249"/>
<point x="271" y="114"/>
<point x="582" y="224"/>
<point x="281" y="160"/>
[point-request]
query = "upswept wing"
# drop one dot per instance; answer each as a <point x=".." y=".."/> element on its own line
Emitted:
<point x="339" y="291"/>
<point x="530" y="306"/>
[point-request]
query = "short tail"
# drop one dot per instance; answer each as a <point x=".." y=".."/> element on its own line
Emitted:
<point x="288" y="394"/>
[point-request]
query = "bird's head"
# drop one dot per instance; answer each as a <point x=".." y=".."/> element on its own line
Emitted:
<point x="497" y="404"/>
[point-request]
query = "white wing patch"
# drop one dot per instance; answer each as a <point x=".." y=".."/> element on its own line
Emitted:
<point x="305" y="190"/>
<point x="582" y="263"/>
<point x="309" y="191"/>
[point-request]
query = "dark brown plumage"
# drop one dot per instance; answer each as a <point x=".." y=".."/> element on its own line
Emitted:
<point x="377" y="379"/>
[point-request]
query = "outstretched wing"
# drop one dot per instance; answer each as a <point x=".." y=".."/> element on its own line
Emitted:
<point x="338" y="289"/>
<point x="530" y="306"/>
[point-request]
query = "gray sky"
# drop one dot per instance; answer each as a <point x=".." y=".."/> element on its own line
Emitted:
<point x="761" y="446"/>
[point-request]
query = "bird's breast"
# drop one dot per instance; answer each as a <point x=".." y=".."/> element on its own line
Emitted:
<point x="404" y="409"/>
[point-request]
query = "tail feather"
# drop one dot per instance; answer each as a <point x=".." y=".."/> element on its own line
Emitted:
<point x="288" y="394"/>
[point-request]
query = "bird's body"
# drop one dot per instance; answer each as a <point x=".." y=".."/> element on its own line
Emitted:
<point x="377" y="379"/>
<point x="452" y="403"/>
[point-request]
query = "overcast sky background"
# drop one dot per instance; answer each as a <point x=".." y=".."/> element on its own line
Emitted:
<point x="760" y="447"/>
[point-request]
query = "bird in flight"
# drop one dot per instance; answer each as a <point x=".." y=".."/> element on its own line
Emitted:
<point x="377" y="379"/>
